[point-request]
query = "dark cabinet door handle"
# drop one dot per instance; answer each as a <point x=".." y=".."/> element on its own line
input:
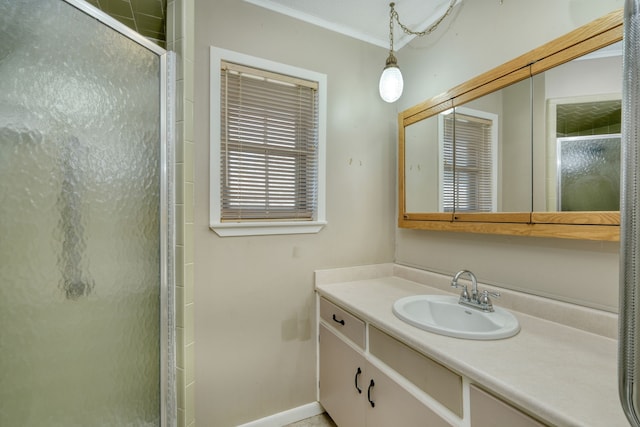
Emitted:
<point x="338" y="321"/>
<point x="371" y="384"/>
<point x="356" y="380"/>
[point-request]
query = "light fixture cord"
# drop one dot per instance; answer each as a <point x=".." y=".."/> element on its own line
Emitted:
<point x="394" y="15"/>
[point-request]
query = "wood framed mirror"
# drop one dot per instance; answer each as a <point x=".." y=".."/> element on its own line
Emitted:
<point x="528" y="148"/>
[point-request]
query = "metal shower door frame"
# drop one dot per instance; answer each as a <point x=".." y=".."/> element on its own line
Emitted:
<point x="168" y="402"/>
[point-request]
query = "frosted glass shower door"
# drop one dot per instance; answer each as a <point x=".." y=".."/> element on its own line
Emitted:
<point x="80" y="221"/>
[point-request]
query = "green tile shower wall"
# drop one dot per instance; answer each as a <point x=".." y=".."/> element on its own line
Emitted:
<point x="146" y="17"/>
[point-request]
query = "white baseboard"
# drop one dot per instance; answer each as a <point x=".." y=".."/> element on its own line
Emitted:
<point x="287" y="417"/>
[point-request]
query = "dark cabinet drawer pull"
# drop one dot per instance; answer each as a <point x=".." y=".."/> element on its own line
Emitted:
<point x="356" y="380"/>
<point x="338" y="321"/>
<point x="371" y="384"/>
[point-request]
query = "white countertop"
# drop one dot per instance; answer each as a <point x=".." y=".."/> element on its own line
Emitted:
<point x="565" y="376"/>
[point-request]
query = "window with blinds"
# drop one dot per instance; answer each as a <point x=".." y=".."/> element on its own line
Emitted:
<point x="468" y="150"/>
<point x="268" y="145"/>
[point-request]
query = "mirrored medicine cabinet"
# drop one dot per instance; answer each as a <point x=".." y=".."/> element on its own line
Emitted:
<point x="529" y="148"/>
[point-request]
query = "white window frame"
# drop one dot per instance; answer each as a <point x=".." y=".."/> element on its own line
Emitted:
<point x="261" y="227"/>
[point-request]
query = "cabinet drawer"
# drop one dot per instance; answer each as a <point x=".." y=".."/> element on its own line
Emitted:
<point x="442" y="384"/>
<point x="489" y="411"/>
<point x="352" y="327"/>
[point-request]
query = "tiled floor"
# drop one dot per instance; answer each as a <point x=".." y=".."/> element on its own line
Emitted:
<point x="321" y="420"/>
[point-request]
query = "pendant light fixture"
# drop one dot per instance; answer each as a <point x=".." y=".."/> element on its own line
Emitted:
<point x="391" y="83"/>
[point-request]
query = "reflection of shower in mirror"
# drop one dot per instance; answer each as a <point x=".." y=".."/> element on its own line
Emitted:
<point x="588" y="176"/>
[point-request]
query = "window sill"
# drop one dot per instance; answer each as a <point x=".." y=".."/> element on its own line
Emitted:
<point x="229" y="229"/>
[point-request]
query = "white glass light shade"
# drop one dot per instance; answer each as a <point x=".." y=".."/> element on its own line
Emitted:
<point x="391" y="84"/>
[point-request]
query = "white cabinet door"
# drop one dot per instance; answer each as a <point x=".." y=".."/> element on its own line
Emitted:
<point x="394" y="406"/>
<point x="342" y="380"/>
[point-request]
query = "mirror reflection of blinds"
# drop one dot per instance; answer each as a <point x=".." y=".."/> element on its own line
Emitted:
<point x="269" y="145"/>
<point x="471" y="167"/>
<point x="448" y="159"/>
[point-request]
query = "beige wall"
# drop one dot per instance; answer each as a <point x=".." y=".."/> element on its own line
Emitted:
<point x="255" y="313"/>
<point x="483" y="34"/>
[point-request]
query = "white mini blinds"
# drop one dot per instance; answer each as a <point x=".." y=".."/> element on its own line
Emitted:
<point x="268" y="145"/>
<point x="473" y="168"/>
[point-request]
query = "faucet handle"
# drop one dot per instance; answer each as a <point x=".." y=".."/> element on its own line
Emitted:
<point x="486" y="293"/>
<point x="484" y="297"/>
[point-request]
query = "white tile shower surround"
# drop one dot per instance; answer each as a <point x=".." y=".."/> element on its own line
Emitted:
<point x="561" y="366"/>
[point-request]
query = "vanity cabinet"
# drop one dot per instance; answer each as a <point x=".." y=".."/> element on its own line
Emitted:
<point x="465" y="383"/>
<point x="354" y="390"/>
<point x="366" y="375"/>
<point x="356" y="393"/>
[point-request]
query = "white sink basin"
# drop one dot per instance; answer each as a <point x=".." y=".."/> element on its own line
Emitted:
<point x="443" y="315"/>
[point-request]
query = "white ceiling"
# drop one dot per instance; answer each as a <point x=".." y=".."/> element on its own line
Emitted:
<point x="366" y="20"/>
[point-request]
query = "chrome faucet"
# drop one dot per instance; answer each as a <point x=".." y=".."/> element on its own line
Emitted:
<point x="478" y="300"/>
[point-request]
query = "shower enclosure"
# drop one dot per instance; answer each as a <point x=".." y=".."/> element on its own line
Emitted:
<point x="85" y="220"/>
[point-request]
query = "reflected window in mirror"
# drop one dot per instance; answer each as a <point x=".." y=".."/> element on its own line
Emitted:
<point x="492" y="167"/>
<point x="510" y="110"/>
<point x="469" y="143"/>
